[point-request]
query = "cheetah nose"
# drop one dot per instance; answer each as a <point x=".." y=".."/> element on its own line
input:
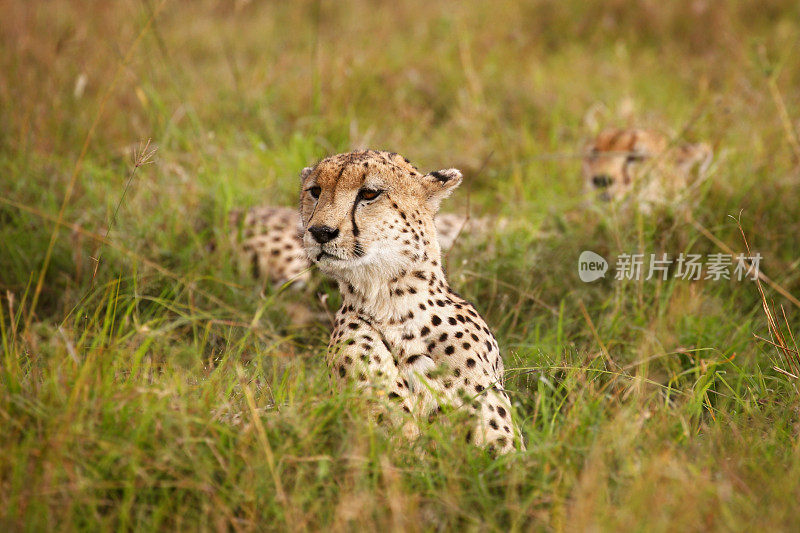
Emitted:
<point x="323" y="234"/>
<point x="601" y="180"/>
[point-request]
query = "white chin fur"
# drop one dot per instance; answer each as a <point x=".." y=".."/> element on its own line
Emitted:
<point x="377" y="264"/>
<point x="330" y="264"/>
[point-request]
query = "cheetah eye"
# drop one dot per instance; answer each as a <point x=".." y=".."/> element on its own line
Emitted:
<point x="315" y="191"/>
<point x="368" y="194"/>
<point x="634" y="158"/>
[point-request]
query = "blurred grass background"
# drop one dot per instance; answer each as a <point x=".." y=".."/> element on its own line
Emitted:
<point x="158" y="389"/>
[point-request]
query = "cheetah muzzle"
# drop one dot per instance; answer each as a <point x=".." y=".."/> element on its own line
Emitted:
<point x="368" y="221"/>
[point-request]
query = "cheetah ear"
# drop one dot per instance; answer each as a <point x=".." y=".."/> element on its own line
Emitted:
<point x="304" y="173"/>
<point x="440" y="184"/>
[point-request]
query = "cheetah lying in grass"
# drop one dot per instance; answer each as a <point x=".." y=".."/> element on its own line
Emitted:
<point x="642" y="166"/>
<point x="368" y="222"/>
<point x="269" y="243"/>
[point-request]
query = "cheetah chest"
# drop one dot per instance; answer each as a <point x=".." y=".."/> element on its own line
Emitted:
<point x="447" y="349"/>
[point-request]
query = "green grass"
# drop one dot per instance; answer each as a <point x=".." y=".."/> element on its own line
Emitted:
<point x="158" y="389"/>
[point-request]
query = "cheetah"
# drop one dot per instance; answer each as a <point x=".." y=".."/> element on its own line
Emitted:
<point x="268" y="241"/>
<point x="642" y="165"/>
<point x="401" y="331"/>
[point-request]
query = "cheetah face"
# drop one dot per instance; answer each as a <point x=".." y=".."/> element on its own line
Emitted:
<point x="370" y="210"/>
<point x="617" y="160"/>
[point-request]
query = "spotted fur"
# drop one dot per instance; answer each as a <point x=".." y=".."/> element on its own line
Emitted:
<point x="268" y="242"/>
<point x="368" y="221"/>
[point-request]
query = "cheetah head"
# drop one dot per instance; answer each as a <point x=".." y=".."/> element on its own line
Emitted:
<point x="617" y="159"/>
<point x="613" y="162"/>
<point x="371" y="213"/>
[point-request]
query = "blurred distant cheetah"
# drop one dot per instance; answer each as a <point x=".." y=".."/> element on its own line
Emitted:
<point x="368" y="222"/>
<point x="269" y="243"/>
<point x="267" y="240"/>
<point x="642" y="164"/>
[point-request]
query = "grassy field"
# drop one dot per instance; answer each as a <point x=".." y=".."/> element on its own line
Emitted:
<point x="146" y="384"/>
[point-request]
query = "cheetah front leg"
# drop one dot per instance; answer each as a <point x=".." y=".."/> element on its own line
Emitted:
<point x="495" y="429"/>
<point x="357" y="355"/>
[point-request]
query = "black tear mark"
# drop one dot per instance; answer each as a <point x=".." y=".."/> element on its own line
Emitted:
<point x="353" y="210"/>
<point x="440" y="176"/>
<point x="353" y="219"/>
<point x="356" y="245"/>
